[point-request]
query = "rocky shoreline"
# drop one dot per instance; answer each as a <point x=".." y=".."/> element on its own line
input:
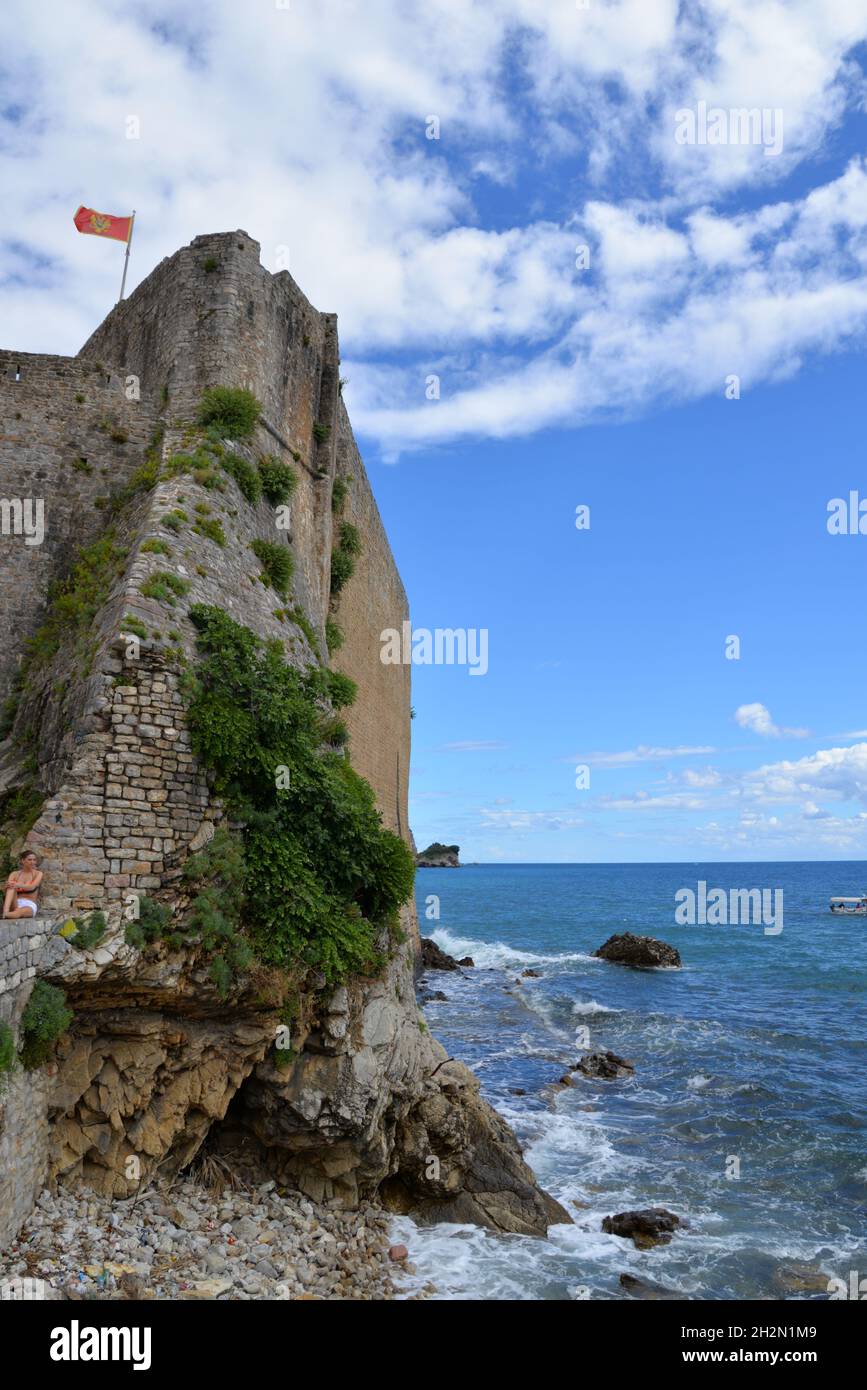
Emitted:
<point x="181" y="1240"/>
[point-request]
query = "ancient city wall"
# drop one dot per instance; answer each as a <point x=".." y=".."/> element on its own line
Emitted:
<point x="125" y="799"/>
<point x="68" y="435"/>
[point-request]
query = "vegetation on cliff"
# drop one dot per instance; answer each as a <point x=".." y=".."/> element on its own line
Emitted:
<point x="231" y="410"/>
<point x="46" y="1017"/>
<point x="321" y="875"/>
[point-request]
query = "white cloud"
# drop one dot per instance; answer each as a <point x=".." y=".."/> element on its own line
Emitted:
<point x="707" y="778"/>
<point x="838" y="774"/>
<point x="641" y="754"/>
<point x="306" y="127"/>
<point x="757" y="718"/>
<point x="528" y="820"/>
<point x="473" y="746"/>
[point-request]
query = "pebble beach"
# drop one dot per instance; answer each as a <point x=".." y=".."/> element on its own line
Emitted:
<point x="182" y="1241"/>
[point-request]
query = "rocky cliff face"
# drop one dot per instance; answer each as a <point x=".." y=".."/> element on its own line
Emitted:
<point x="99" y="776"/>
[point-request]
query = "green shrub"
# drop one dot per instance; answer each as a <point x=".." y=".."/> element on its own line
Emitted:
<point x="9" y="709"/>
<point x="88" y="932"/>
<point x="215" y="914"/>
<point x="300" y="619"/>
<point x="165" y="587"/>
<point x="145" y="477"/>
<point x="246" y="476"/>
<point x="342" y="570"/>
<point x="339" y="493"/>
<point x="277" y="564"/>
<point x="74" y="602"/>
<point x="321" y="432"/>
<point x="157" y="547"/>
<point x="7" y="1048"/>
<point x="321" y="875"/>
<point x="209" y="478"/>
<point x="350" y="540"/>
<point x="341" y="690"/>
<point x="279" y="480"/>
<point x="175" y="519"/>
<point x="181" y="463"/>
<point x="334" y="731"/>
<point x="211" y="529"/>
<point x="343" y="558"/>
<point x="231" y="410"/>
<point x="333" y="635"/>
<point x="45" y="1019"/>
<point x="151" y="924"/>
<point x="135" y="626"/>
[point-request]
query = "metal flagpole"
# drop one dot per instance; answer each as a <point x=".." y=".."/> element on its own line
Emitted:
<point x="126" y="257"/>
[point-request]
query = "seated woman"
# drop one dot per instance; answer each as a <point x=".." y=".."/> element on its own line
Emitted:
<point x="22" y="889"/>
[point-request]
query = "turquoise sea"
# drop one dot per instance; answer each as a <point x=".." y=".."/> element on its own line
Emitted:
<point x="756" y="1050"/>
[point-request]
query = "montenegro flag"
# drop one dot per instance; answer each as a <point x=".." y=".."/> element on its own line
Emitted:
<point x="103" y="224"/>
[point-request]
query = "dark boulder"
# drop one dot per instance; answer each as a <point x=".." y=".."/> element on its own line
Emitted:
<point x="531" y="974"/>
<point x="607" y="1066"/>
<point x="432" y="958"/>
<point x="467" y="960"/>
<point x="641" y="951"/>
<point x="643" y="1288"/>
<point x="652" y="1226"/>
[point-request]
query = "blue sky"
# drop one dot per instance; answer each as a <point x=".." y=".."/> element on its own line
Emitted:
<point x="560" y="385"/>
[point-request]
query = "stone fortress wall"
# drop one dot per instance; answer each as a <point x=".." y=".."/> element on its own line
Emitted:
<point x="126" y="802"/>
<point x="68" y="434"/>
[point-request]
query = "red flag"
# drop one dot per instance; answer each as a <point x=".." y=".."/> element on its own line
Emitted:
<point x="103" y="224"/>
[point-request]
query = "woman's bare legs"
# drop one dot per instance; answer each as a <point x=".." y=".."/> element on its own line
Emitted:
<point x="17" y="912"/>
<point x="10" y="902"/>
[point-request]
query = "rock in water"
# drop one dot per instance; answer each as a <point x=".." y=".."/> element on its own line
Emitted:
<point x="605" y="1065"/>
<point x="432" y="958"/>
<point x="643" y="1288"/>
<point x="481" y="1176"/>
<point x="795" y="1277"/>
<point x="646" y="1228"/>
<point x="467" y="960"/>
<point x="626" y="949"/>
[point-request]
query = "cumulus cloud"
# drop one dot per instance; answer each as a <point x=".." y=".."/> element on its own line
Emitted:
<point x="306" y="126"/>
<point x="757" y="718"/>
<point x="838" y="774"/>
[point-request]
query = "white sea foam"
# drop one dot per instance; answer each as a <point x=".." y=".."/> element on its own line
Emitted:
<point x="498" y="955"/>
<point x="582" y="1007"/>
<point x="698" y="1083"/>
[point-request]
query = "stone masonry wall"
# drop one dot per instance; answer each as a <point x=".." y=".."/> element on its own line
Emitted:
<point x="68" y="434"/>
<point x="374" y="599"/>
<point x="126" y="800"/>
<point x="212" y="315"/>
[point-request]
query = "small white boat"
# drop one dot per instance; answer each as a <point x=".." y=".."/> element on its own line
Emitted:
<point x="850" y="907"/>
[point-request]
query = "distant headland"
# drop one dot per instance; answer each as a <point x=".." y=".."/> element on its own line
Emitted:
<point x="438" y="856"/>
